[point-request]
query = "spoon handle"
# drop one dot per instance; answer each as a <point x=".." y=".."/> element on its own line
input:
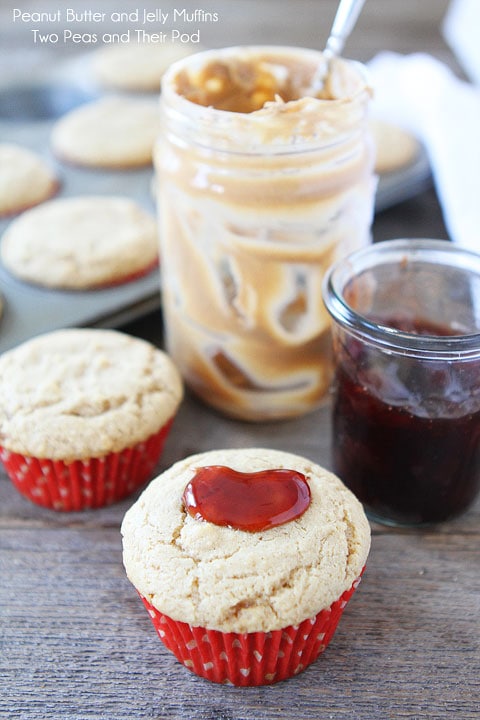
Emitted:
<point x="345" y="19"/>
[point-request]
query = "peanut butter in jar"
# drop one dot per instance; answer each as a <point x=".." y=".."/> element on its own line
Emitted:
<point x="261" y="187"/>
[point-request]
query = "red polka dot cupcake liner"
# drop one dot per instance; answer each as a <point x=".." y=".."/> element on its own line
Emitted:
<point x="88" y="483"/>
<point x="250" y="659"/>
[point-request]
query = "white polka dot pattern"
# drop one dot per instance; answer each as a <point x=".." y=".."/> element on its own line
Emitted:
<point x="256" y="658"/>
<point x="84" y="484"/>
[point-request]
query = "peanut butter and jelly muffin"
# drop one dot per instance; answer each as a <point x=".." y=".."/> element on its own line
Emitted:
<point x="245" y="560"/>
<point x="136" y="67"/>
<point x="113" y="132"/>
<point x="25" y="179"/>
<point x="395" y="148"/>
<point x="78" y="243"/>
<point x="84" y="415"/>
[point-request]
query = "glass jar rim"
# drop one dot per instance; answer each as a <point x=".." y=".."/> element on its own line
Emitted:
<point x="244" y="133"/>
<point x="202" y="56"/>
<point x="443" y="252"/>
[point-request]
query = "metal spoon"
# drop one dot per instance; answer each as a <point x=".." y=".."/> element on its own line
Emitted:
<point x="343" y="24"/>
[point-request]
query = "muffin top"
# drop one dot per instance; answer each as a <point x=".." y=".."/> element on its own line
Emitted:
<point x="112" y="132"/>
<point x="395" y="148"/>
<point x="81" y="242"/>
<point x="136" y="66"/>
<point x="82" y="393"/>
<point x="239" y="581"/>
<point x="25" y="179"/>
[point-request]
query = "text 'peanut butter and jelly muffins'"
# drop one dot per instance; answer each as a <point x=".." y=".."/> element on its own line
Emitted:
<point x="245" y="560"/>
<point x="84" y="415"/>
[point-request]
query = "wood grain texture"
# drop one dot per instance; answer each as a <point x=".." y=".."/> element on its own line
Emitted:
<point x="75" y="640"/>
<point x="77" y="643"/>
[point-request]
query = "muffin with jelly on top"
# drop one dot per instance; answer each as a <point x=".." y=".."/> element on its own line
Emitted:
<point x="245" y="560"/>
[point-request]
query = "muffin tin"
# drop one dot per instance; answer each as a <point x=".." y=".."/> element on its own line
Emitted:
<point x="27" y="115"/>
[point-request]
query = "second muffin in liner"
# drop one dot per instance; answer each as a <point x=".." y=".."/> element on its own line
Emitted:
<point x="84" y="415"/>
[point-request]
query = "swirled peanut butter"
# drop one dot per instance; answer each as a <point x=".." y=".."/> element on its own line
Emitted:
<point x="261" y="186"/>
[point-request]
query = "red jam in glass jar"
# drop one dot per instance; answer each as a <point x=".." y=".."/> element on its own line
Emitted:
<point x="406" y="397"/>
<point x="406" y="459"/>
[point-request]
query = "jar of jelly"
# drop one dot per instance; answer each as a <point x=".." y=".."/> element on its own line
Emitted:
<point x="263" y="180"/>
<point x="406" y="401"/>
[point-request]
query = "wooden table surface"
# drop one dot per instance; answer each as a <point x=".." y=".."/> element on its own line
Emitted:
<point x="75" y="642"/>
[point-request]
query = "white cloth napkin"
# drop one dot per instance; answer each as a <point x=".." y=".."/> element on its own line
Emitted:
<point x="460" y="28"/>
<point x="422" y="95"/>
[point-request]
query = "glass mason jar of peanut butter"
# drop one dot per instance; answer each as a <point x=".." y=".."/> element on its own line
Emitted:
<point x="263" y="182"/>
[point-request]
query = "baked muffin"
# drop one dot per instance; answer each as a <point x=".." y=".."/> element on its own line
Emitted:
<point x="84" y="415"/>
<point x="395" y="148"/>
<point x="80" y="243"/>
<point x="137" y="67"/>
<point x="245" y="560"/>
<point x="114" y="132"/>
<point x="25" y="179"/>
